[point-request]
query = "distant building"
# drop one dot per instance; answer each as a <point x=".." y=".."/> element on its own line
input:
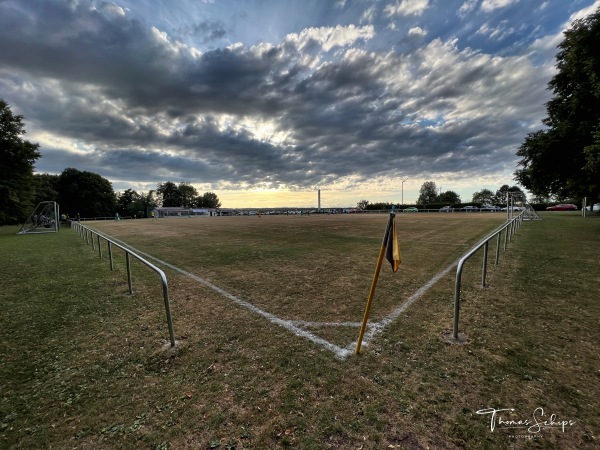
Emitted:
<point x="176" y="211"/>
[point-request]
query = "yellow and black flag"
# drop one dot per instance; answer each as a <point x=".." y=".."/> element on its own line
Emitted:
<point x="390" y="243"/>
<point x="391" y="249"/>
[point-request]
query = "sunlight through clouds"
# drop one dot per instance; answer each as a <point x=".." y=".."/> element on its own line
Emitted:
<point x="260" y="100"/>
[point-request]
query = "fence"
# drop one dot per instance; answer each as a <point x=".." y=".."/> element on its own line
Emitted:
<point x="510" y="228"/>
<point x="89" y="235"/>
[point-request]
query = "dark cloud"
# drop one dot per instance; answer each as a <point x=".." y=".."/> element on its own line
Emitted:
<point x="204" y="32"/>
<point x="133" y="103"/>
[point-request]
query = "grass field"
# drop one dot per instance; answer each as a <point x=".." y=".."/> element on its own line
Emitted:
<point x="84" y="364"/>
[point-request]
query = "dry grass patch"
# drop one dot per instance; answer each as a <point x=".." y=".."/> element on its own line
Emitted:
<point x="86" y="369"/>
<point x="312" y="268"/>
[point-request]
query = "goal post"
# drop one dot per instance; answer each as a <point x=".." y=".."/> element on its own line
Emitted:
<point x="44" y="219"/>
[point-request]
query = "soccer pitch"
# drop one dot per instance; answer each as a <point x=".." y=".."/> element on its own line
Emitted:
<point x="308" y="274"/>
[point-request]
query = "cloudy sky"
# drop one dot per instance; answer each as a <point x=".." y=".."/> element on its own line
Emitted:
<point x="263" y="102"/>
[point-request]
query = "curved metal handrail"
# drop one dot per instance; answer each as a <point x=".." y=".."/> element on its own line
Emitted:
<point x="88" y="234"/>
<point x="510" y="226"/>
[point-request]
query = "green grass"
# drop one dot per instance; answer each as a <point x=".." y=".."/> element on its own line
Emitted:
<point x="83" y="364"/>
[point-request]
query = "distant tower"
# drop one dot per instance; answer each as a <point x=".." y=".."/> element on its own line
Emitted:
<point x="319" y="195"/>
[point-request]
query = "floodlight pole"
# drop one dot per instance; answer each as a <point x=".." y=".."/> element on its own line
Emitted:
<point x="403" y="192"/>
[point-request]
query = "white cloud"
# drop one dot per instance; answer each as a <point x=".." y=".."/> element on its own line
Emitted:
<point x="467" y="7"/>
<point x="329" y="37"/>
<point x="452" y="87"/>
<point x="112" y="8"/>
<point x="581" y="14"/>
<point x="502" y="31"/>
<point x="368" y="15"/>
<point x="546" y="47"/>
<point x="417" y="32"/>
<point x="406" y="8"/>
<point x="491" y="5"/>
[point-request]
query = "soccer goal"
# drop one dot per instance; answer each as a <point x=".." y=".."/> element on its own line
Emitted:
<point x="43" y="219"/>
<point x="530" y="213"/>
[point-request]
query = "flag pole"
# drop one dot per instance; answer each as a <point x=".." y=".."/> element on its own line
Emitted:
<point x="373" y="285"/>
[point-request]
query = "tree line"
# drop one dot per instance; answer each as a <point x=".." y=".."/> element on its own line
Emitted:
<point x="432" y="197"/>
<point x="79" y="193"/>
<point x="168" y="194"/>
<point x="88" y="194"/>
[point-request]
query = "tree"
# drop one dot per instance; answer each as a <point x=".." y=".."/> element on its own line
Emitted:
<point x="17" y="158"/>
<point x="563" y="160"/>
<point x="362" y="204"/>
<point x="46" y="188"/>
<point x="85" y="193"/>
<point x="516" y="191"/>
<point x="147" y="203"/>
<point x="128" y="203"/>
<point x="381" y="206"/>
<point x="209" y="200"/>
<point x="448" y="197"/>
<point x="169" y="194"/>
<point x="540" y="199"/>
<point x="484" y="196"/>
<point x="188" y="195"/>
<point x="428" y="193"/>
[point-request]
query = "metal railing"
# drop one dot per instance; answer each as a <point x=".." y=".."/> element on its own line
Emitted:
<point x="92" y="236"/>
<point x="510" y="228"/>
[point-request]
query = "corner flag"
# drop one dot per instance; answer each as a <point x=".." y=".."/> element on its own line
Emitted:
<point x="391" y="250"/>
<point x="390" y="242"/>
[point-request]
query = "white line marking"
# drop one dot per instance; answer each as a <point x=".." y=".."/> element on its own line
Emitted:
<point x="378" y="327"/>
<point x="339" y="352"/>
<point x="373" y="328"/>
<point x="304" y="323"/>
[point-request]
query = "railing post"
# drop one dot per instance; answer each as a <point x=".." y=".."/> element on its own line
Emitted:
<point x="112" y="267"/>
<point x="484" y="271"/>
<point x="128" y="263"/>
<point x="99" y="247"/>
<point x="168" y="309"/>
<point x="498" y="247"/>
<point x="457" y="298"/>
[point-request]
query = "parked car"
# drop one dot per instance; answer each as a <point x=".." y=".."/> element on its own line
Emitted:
<point x="490" y="208"/>
<point x="562" y="207"/>
<point x="513" y="208"/>
<point x="446" y="209"/>
<point x="469" y="208"/>
<point x="596" y="207"/>
<point x="410" y="209"/>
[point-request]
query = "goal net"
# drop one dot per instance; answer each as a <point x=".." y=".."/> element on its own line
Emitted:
<point x="519" y="203"/>
<point x="43" y="219"/>
<point x="530" y="213"/>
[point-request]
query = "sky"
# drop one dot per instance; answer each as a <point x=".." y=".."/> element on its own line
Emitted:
<point x="264" y="102"/>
